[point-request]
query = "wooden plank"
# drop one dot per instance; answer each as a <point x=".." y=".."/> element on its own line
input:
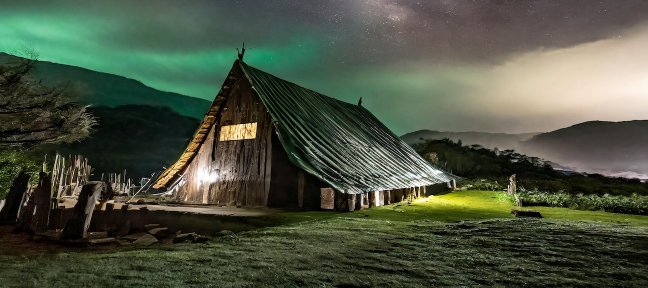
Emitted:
<point x="243" y="166"/>
<point x="171" y="174"/>
<point x="268" y="165"/>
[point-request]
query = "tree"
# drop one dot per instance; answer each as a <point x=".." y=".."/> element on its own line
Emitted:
<point x="32" y="113"/>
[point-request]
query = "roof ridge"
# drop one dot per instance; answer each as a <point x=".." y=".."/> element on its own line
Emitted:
<point x="244" y="65"/>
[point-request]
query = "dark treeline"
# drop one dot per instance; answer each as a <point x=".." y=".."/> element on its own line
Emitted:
<point x="477" y="162"/>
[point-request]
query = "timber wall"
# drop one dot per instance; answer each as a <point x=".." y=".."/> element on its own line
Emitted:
<point x="290" y="186"/>
<point x="242" y="167"/>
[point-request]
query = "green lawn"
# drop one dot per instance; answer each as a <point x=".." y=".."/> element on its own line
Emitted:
<point x="424" y="244"/>
<point x="468" y="205"/>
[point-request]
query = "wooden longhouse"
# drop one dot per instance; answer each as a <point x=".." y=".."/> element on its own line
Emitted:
<point x="268" y="142"/>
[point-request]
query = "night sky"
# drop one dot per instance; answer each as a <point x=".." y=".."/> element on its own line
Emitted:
<point x="505" y="66"/>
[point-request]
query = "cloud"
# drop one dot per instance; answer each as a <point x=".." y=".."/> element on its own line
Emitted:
<point x="548" y="89"/>
<point x="535" y="91"/>
<point x="451" y="65"/>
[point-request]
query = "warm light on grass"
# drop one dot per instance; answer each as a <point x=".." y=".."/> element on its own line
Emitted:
<point x="475" y="205"/>
<point x="465" y="205"/>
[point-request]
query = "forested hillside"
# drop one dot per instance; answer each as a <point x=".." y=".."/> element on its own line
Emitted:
<point x="476" y="162"/>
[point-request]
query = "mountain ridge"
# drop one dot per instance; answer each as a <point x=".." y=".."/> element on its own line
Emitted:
<point x="607" y="147"/>
<point x="111" y="90"/>
<point x="489" y="140"/>
<point x="613" y="148"/>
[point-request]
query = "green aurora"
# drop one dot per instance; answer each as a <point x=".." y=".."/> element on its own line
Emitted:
<point x="416" y="65"/>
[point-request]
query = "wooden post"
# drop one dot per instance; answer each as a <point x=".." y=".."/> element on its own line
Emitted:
<point x="360" y="199"/>
<point x="9" y="212"/>
<point x="341" y="201"/>
<point x="387" y="197"/>
<point x="351" y="202"/>
<point x="77" y="227"/>
<point x="512" y="187"/>
<point x="379" y="198"/>
<point x="397" y="195"/>
<point x="42" y="198"/>
<point x="120" y="225"/>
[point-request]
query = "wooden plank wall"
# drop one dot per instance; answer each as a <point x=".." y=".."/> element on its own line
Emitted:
<point x="242" y="167"/>
<point x="290" y="186"/>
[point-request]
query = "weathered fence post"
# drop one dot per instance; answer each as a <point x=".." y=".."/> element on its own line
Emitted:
<point x="120" y="224"/>
<point x="43" y="199"/>
<point x="512" y="190"/>
<point x="77" y="227"/>
<point x="35" y="215"/>
<point x="512" y="187"/>
<point x="9" y="212"/>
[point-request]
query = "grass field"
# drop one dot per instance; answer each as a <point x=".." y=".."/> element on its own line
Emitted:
<point x="468" y="205"/>
<point x="464" y="238"/>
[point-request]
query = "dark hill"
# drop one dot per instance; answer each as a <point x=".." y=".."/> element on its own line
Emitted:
<point x="141" y="139"/>
<point x="103" y="89"/>
<point x="532" y="173"/>
<point x="488" y="140"/>
<point x="597" y="146"/>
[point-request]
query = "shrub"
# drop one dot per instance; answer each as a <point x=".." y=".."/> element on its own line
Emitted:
<point x="634" y="204"/>
<point x="482" y="184"/>
<point x="11" y="162"/>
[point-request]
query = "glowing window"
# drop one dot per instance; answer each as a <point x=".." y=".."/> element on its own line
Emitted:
<point x="238" y="132"/>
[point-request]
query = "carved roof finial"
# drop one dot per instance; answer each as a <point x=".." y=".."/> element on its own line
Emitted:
<point x="241" y="53"/>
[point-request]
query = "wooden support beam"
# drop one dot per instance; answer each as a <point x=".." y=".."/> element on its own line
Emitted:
<point x="372" y="199"/>
<point x="360" y="198"/>
<point x="341" y="201"/>
<point x="396" y="195"/>
<point x="351" y="202"/>
<point x="387" y="197"/>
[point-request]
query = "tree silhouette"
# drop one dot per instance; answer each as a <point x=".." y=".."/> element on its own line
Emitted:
<point x="32" y="113"/>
